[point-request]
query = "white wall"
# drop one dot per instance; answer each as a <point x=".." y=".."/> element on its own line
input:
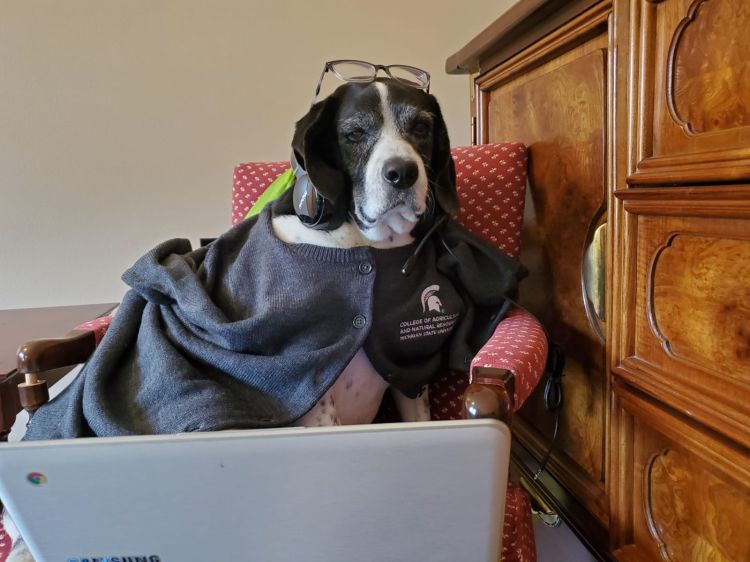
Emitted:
<point x="121" y="120"/>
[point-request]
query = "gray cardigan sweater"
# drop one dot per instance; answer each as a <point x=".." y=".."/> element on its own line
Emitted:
<point x="251" y="332"/>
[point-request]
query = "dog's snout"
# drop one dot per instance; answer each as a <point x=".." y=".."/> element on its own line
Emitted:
<point x="401" y="173"/>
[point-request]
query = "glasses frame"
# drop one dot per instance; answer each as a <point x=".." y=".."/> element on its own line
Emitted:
<point x="329" y="66"/>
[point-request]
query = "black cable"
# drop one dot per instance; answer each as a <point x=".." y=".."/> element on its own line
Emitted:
<point x="548" y="453"/>
<point x="553" y="397"/>
<point x="409" y="264"/>
<point x="553" y="389"/>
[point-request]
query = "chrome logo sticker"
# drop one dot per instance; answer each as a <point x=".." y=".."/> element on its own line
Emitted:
<point x="36" y="478"/>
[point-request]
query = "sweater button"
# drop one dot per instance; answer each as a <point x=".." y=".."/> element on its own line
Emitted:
<point x="365" y="268"/>
<point x="359" y="321"/>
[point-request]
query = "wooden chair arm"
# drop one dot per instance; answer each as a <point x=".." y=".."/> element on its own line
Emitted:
<point x="10" y="403"/>
<point x="40" y="364"/>
<point x="37" y="356"/>
<point x="489" y="395"/>
<point x="10" y="398"/>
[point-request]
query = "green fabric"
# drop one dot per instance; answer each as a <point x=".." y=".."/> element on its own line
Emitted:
<point x="272" y="192"/>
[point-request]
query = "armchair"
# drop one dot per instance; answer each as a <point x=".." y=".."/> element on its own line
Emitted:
<point x="491" y="184"/>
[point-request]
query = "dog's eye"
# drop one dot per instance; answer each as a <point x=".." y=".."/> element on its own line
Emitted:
<point x="355" y="136"/>
<point x="420" y="128"/>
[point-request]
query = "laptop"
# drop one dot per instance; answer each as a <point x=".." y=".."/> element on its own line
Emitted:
<point x="429" y="491"/>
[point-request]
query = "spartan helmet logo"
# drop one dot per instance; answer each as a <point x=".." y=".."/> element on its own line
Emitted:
<point x="430" y="300"/>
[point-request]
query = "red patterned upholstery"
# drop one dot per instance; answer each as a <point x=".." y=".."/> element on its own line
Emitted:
<point x="98" y="325"/>
<point x="491" y="183"/>
<point x="250" y="180"/>
<point x="4" y="543"/>
<point x="518" y="528"/>
<point x="519" y="345"/>
<point x="446" y="391"/>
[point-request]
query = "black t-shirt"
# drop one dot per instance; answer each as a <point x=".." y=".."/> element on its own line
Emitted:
<point x="413" y="318"/>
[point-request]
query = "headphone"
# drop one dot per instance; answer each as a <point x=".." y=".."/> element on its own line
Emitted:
<point x="310" y="206"/>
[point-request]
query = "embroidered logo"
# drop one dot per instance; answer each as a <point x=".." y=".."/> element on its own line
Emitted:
<point x="435" y="320"/>
<point x="431" y="301"/>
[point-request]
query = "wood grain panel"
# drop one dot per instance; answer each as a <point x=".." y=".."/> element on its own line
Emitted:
<point x="685" y="289"/>
<point x="558" y="110"/>
<point x="699" y="303"/>
<point x="717" y="533"/>
<point x="682" y="493"/>
<point x="690" y="96"/>
<point x="716" y="76"/>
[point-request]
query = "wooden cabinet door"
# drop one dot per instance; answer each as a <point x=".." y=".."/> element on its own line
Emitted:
<point x="692" y="91"/>
<point x="686" y="302"/>
<point x="681" y="493"/>
<point x="557" y="107"/>
<point x="679" y="466"/>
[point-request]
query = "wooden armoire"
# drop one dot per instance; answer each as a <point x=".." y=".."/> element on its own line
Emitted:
<point x="637" y="235"/>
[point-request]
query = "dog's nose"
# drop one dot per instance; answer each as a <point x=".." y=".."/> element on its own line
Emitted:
<point x="400" y="172"/>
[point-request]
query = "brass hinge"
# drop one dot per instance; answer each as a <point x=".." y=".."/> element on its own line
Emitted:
<point x="539" y="506"/>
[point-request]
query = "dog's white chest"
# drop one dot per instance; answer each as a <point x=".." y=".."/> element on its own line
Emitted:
<point x="354" y="398"/>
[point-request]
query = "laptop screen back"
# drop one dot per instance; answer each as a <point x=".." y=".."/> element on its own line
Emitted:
<point x="430" y="491"/>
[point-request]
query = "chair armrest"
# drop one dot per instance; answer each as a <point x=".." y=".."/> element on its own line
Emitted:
<point x="514" y="357"/>
<point x="37" y="356"/>
<point x="40" y="364"/>
<point x="489" y="396"/>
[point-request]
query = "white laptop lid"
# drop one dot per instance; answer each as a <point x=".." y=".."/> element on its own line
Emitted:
<point x="431" y="491"/>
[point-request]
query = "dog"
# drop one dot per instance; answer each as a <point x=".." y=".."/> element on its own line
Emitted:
<point x="389" y="146"/>
<point x="381" y="150"/>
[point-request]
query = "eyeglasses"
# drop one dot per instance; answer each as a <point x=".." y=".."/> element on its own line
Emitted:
<point x="364" y="72"/>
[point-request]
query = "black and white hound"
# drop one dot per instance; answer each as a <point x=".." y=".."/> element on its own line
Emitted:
<point x="386" y="145"/>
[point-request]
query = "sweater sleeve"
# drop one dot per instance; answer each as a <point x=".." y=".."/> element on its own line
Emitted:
<point x="486" y="278"/>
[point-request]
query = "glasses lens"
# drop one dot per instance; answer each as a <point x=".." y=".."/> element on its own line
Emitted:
<point x="410" y="75"/>
<point x="354" y="71"/>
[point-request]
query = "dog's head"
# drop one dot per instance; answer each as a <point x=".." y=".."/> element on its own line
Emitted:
<point x="380" y="152"/>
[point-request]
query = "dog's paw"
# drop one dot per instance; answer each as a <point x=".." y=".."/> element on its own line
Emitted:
<point x="413" y="409"/>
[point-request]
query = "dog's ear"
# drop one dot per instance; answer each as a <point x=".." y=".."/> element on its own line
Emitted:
<point x="444" y="170"/>
<point x="316" y="148"/>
